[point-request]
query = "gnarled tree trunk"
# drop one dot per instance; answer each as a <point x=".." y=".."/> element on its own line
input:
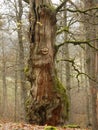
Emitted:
<point x="48" y="103"/>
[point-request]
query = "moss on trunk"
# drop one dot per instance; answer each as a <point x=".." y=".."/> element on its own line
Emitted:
<point x="51" y="112"/>
<point x="48" y="103"/>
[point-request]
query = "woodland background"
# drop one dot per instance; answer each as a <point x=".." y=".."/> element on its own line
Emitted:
<point x="76" y="59"/>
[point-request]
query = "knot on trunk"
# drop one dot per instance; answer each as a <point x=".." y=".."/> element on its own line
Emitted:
<point x="44" y="51"/>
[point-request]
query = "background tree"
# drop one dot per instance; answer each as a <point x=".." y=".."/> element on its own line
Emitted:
<point x="11" y="48"/>
<point x="4" y="101"/>
<point x="19" y="13"/>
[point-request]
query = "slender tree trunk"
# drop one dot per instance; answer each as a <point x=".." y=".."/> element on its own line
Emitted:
<point x="68" y="82"/>
<point x="4" y="102"/>
<point x="67" y="65"/>
<point x="49" y="101"/>
<point x="19" y="13"/>
<point x="91" y="60"/>
<point x="16" y="89"/>
<point x="88" y="121"/>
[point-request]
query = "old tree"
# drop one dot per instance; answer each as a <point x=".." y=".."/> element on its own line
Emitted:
<point x="48" y="101"/>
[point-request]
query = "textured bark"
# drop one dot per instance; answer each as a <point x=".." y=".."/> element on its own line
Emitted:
<point x="47" y="102"/>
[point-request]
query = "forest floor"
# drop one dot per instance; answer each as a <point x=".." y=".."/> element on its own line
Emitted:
<point x="23" y="126"/>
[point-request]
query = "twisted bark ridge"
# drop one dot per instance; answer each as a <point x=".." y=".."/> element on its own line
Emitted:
<point x="48" y="102"/>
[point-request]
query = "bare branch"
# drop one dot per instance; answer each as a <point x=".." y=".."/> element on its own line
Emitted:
<point x="72" y="3"/>
<point x="61" y="5"/>
<point x="63" y="29"/>
<point x="76" y="69"/>
<point x="82" y="11"/>
<point x="78" y="43"/>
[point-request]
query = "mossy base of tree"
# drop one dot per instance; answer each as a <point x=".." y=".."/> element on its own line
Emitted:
<point x="52" y="112"/>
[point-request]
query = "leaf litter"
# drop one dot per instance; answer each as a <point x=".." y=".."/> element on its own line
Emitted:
<point x="24" y="126"/>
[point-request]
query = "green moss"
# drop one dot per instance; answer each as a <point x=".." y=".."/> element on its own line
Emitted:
<point x="26" y="70"/>
<point x="64" y="98"/>
<point x="28" y="103"/>
<point x="59" y="86"/>
<point x="52" y="8"/>
<point x="50" y="128"/>
<point x="65" y="28"/>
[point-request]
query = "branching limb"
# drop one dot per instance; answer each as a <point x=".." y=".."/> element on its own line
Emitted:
<point x="72" y="61"/>
<point x="77" y="10"/>
<point x="63" y="29"/>
<point x="61" y="5"/>
<point x="72" y="3"/>
<point x="77" y="43"/>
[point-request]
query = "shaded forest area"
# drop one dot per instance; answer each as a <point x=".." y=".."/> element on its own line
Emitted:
<point x="49" y="64"/>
